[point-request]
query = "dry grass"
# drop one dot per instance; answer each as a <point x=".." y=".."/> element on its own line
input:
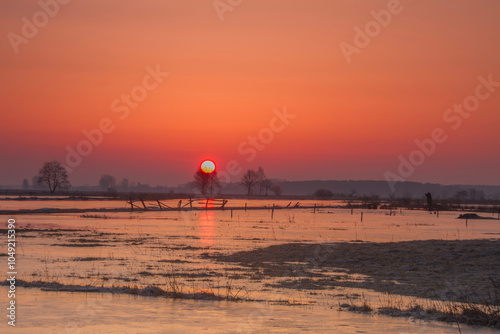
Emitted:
<point x="132" y="290"/>
<point x="474" y="313"/>
<point x="94" y="216"/>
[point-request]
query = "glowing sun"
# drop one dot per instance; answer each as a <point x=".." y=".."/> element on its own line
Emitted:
<point x="208" y="166"/>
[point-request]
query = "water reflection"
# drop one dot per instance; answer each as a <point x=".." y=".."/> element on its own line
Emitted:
<point x="206" y="228"/>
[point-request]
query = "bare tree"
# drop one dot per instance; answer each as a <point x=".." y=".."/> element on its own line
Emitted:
<point x="207" y="183"/>
<point x="430" y="202"/>
<point x="267" y="185"/>
<point x="124" y="184"/>
<point x="475" y="194"/>
<point x="26" y="184"/>
<point x="276" y="189"/>
<point x="248" y="180"/>
<point x="461" y="195"/>
<point x="261" y="177"/>
<point x="107" y="182"/>
<point x="323" y="194"/>
<point x="54" y="175"/>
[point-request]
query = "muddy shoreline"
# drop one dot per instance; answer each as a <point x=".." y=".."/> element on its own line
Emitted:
<point x="451" y="270"/>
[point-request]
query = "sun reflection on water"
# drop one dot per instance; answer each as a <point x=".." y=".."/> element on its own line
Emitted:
<point x="206" y="228"/>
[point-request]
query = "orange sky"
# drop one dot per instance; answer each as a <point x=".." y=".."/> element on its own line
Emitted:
<point x="353" y="119"/>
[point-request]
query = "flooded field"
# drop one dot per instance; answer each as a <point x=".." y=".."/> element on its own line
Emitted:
<point x="41" y="202"/>
<point x="224" y="265"/>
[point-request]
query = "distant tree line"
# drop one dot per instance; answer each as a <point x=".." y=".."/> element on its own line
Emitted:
<point x="256" y="183"/>
<point x="323" y="194"/>
<point x="54" y="176"/>
<point x="108" y="183"/>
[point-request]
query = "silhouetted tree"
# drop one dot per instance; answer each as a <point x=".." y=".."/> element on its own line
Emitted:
<point x="261" y="177"/>
<point x="26" y="184"/>
<point x="107" y="182"/>
<point x="406" y="200"/>
<point x="54" y="175"/>
<point x="461" y="195"/>
<point x="323" y="194"/>
<point x="371" y="201"/>
<point x="267" y="185"/>
<point x="124" y="184"/>
<point x="276" y="189"/>
<point x="430" y="203"/>
<point x="207" y="183"/>
<point x="476" y="195"/>
<point x="249" y="179"/>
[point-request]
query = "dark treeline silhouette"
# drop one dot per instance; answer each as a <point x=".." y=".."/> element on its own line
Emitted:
<point x="53" y="177"/>
<point x="257" y="183"/>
